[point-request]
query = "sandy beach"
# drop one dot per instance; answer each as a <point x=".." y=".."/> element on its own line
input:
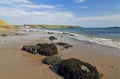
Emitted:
<point x="18" y="64"/>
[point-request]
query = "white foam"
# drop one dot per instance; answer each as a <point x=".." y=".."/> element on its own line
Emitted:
<point x="103" y="41"/>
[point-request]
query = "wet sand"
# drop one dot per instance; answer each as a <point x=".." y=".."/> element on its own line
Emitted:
<point x="18" y="64"/>
<point x="9" y="32"/>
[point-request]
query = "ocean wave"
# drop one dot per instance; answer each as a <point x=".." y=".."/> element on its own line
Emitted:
<point x="97" y="40"/>
<point x="103" y="41"/>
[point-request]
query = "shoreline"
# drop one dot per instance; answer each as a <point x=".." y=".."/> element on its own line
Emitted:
<point x="115" y="43"/>
<point x="18" y="64"/>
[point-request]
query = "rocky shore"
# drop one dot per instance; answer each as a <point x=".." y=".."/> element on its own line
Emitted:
<point x="17" y="64"/>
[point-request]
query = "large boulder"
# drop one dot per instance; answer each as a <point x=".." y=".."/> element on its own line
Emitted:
<point x="52" y="38"/>
<point x="44" y="49"/>
<point x="65" y="45"/>
<point x="47" y="49"/>
<point x="75" y="69"/>
<point x="52" y="60"/>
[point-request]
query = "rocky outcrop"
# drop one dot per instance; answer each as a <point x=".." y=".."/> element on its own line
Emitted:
<point x="75" y="69"/>
<point x="44" y="49"/>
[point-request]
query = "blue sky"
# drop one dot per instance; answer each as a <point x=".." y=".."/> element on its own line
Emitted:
<point x="85" y="13"/>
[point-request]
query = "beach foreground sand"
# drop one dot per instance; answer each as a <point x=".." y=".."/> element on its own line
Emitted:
<point x="18" y="64"/>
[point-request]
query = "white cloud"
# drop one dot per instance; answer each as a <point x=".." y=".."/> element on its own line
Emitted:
<point x="13" y="1"/>
<point x="107" y="17"/>
<point x="25" y="4"/>
<point x="37" y="6"/>
<point x="19" y="12"/>
<point x="79" y="1"/>
<point x="37" y="17"/>
<point x="16" y="13"/>
<point x="18" y="16"/>
<point x="13" y="13"/>
<point x="99" y="21"/>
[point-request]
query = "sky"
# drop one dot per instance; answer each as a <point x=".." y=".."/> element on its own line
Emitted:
<point x="85" y="13"/>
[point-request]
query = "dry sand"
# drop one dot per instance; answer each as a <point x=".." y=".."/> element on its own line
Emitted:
<point x="18" y="64"/>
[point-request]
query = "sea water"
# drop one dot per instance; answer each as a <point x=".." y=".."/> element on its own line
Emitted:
<point x="112" y="33"/>
<point x="105" y="36"/>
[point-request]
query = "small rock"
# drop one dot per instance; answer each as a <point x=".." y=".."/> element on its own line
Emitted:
<point x="53" y="60"/>
<point x="4" y="35"/>
<point x="65" y="45"/>
<point x="52" y="38"/>
<point x="71" y="35"/>
<point x="65" y="33"/>
<point x="50" y="32"/>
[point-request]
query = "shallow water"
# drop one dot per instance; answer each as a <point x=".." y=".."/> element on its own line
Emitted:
<point x="29" y="36"/>
<point x="112" y="33"/>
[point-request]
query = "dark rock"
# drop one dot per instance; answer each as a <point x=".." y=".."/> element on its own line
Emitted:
<point x="65" y="45"/>
<point x="47" y="49"/>
<point x="65" y="33"/>
<point x="44" y="49"/>
<point x="75" y="69"/>
<point x="4" y="35"/>
<point x="71" y="35"/>
<point x="31" y="48"/>
<point x="42" y="44"/>
<point x="53" y="60"/>
<point x="52" y="38"/>
<point x="50" y="32"/>
<point x="16" y="34"/>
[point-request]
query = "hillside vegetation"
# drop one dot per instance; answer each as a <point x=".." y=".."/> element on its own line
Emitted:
<point x="5" y="25"/>
<point x="51" y="26"/>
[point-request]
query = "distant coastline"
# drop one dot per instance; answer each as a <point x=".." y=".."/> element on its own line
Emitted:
<point x="46" y="26"/>
<point x="114" y="27"/>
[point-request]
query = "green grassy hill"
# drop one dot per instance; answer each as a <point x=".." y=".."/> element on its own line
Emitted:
<point x="5" y="25"/>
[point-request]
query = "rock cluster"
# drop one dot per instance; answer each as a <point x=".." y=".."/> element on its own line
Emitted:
<point x="44" y="49"/>
<point x="70" y="68"/>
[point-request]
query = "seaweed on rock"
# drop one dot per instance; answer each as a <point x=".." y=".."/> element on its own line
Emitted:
<point x="75" y="69"/>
